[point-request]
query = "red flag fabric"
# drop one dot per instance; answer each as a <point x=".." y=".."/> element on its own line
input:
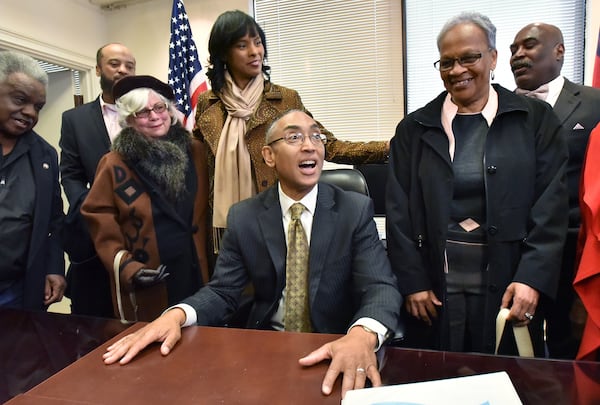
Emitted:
<point x="185" y="71"/>
<point x="587" y="278"/>
<point x="596" y="78"/>
<point x="587" y="388"/>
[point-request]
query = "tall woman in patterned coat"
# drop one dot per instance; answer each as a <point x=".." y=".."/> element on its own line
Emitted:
<point x="147" y="208"/>
<point x="234" y="116"/>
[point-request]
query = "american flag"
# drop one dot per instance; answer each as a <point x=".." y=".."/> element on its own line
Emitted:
<point x="185" y="72"/>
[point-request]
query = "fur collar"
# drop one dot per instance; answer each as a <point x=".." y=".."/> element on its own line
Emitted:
<point x="164" y="160"/>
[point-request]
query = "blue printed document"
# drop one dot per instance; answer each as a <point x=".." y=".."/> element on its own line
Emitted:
<point x="480" y="389"/>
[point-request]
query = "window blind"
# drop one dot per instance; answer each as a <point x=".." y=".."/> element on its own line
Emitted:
<point x="344" y="57"/>
<point x="425" y="18"/>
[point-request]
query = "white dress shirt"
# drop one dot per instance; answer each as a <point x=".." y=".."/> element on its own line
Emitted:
<point x="111" y="119"/>
<point x="554" y="88"/>
<point x="277" y="322"/>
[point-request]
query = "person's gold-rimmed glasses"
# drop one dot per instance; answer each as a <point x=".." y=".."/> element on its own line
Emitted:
<point x="158" y="108"/>
<point x="467" y="60"/>
<point x="297" y="138"/>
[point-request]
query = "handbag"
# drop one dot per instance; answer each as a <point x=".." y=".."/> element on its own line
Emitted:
<point x="522" y="337"/>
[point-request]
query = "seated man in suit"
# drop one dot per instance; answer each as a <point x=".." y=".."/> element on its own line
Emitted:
<point x="344" y="285"/>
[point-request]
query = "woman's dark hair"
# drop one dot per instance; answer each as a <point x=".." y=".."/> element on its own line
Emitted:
<point x="227" y="30"/>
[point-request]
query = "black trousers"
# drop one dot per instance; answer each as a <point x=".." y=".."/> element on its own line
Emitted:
<point x="467" y="267"/>
<point x="561" y="338"/>
<point x="89" y="289"/>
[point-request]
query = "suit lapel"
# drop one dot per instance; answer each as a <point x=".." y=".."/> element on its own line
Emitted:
<point x="325" y="221"/>
<point x="567" y="102"/>
<point x="97" y="120"/>
<point x="271" y="226"/>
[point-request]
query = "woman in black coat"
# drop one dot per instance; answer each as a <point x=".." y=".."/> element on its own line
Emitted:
<point x="476" y="202"/>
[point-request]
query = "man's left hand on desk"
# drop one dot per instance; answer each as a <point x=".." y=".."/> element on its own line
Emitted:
<point x="351" y="355"/>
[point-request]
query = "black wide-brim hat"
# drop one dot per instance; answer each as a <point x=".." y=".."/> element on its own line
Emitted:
<point x="128" y="83"/>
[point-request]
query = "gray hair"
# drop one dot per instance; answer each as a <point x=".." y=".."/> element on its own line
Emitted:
<point x="136" y="100"/>
<point x="470" y="17"/>
<point x="16" y="62"/>
<point x="271" y="127"/>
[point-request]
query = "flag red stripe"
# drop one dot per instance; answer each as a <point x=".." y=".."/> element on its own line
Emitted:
<point x="596" y="78"/>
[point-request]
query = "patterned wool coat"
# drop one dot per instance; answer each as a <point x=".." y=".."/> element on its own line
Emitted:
<point x="126" y="211"/>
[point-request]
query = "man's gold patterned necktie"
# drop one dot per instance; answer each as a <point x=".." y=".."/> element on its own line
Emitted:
<point x="297" y="313"/>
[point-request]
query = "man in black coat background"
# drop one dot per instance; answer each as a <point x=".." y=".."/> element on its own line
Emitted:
<point x="537" y="56"/>
<point x="86" y="135"/>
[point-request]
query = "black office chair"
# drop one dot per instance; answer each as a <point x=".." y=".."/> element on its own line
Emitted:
<point x="376" y="176"/>
<point x="358" y="179"/>
<point x="346" y="179"/>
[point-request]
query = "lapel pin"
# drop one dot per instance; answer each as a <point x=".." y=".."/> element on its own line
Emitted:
<point x="46" y="166"/>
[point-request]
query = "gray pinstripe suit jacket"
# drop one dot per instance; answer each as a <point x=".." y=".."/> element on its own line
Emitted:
<point x="350" y="276"/>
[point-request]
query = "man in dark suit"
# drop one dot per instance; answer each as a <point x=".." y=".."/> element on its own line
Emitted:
<point x="537" y="58"/>
<point x="32" y="263"/>
<point x="351" y="288"/>
<point x="86" y="135"/>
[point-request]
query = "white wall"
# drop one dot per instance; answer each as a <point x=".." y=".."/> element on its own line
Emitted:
<point x="145" y="29"/>
<point x="59" y="91"/>
<point x="75" y="25"/>
<point x="65" y="32"/>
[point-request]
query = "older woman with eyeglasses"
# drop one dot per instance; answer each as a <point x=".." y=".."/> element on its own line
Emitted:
<point x="476" y="202"/>
<point x="148" y="205"/>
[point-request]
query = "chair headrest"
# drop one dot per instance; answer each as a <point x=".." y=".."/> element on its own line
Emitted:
<point x="346" y="179"/>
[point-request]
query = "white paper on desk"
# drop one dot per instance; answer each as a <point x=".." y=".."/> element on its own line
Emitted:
<point x="481" y="389"/>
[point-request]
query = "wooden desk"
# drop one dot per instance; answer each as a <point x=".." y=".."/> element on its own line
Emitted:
<point x="209" y="366"/>
<point x="35" y="345"/>
<point x="537" y="381"/>
<point x="233" y="366"/>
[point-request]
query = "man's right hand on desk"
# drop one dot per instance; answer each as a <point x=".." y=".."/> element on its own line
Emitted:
<point x="165" y="329"/>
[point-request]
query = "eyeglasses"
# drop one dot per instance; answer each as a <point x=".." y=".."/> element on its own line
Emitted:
<point x="158" y="108"/>
<point x="469" y="59"/>
<point x="297" y="138"/>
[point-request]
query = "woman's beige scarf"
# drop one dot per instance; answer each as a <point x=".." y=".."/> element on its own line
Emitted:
<point x="233" y="171"/>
